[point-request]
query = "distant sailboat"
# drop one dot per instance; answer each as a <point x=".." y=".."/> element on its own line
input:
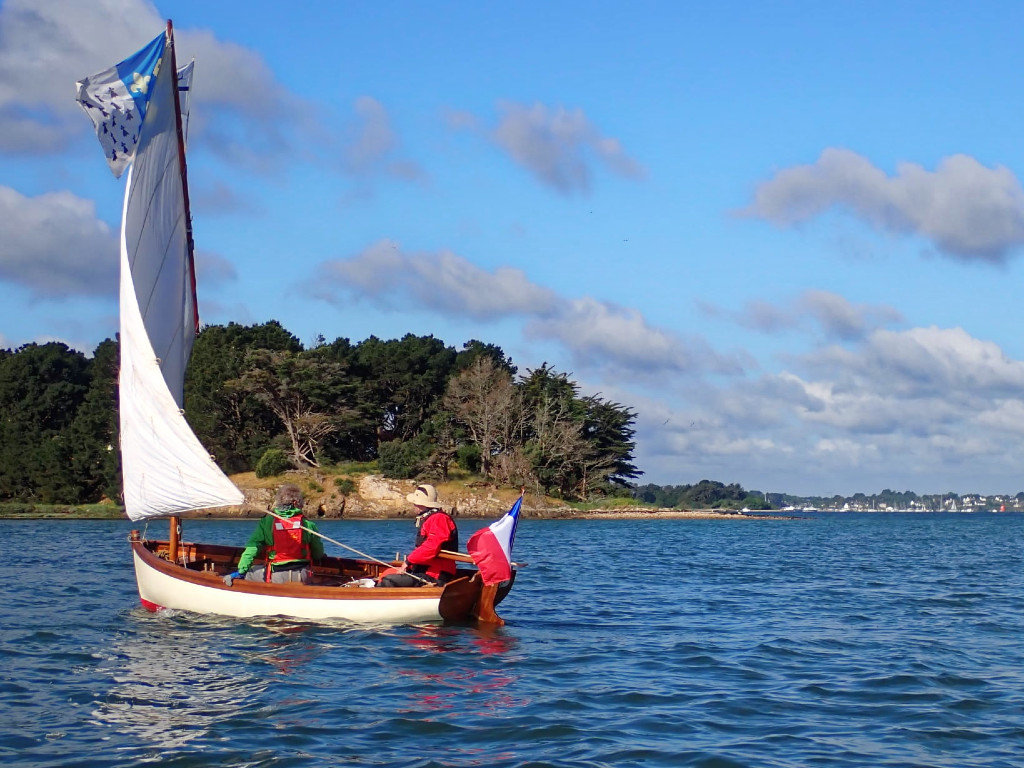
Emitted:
<point x="166" y="471"/>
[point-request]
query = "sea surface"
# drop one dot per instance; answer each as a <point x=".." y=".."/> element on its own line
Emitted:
<point x="830" y="640"/>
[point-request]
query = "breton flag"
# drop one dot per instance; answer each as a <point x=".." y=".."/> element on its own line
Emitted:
<point x="491" y="547"/>
<point x="116" y="101"/>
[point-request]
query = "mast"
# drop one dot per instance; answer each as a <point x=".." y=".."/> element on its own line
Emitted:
<point x="174" y="537"/>
<point x="184" y="179"/>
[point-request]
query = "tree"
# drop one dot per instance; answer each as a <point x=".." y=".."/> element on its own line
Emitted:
<point x="606" y="459"/>
<point x="554" y="445"/>
<point x="404" y="381"/>
<point x="357" y="439"/>
<point x="485" y="401"/>
<point x="94" y="433"/>
<point x="232" y="424"/>
<point x="472" y="350"/>
<point x="299" y="390"/>
<point x="554" y="431"/>
<point x="41" y="389"/>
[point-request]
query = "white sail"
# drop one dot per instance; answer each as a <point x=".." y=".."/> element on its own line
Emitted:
<point x="165" y="468"/>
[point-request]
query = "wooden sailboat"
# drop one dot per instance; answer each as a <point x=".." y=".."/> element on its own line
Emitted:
<point x="166" y="471"/>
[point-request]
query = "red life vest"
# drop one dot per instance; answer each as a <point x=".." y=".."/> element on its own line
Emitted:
<point x="437" y="565"/>
<point x="288" y="543"/>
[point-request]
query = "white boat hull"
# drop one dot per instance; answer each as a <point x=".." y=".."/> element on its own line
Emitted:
<point x="161" y="590"/>
<point x="198" y="587"/>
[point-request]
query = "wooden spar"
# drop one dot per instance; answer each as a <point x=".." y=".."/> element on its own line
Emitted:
<point x="456" y="556"/>
<point x="461" y="557"/>
<point x="175" y="539"/>
<point x="184" y="180"/>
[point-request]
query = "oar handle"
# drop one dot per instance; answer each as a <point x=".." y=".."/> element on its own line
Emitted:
<point x="457" y="556"/>
<point x="463" y="558"/>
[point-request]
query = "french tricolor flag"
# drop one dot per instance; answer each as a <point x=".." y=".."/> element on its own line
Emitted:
<point x="491" y="547"/>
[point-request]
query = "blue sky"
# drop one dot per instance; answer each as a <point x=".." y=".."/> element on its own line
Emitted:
<point x="787" y="235"/>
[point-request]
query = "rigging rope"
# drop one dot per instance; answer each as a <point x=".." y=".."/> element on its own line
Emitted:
<point x="352" y="549"/>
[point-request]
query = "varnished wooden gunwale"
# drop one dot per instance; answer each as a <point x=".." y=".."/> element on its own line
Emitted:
<point x="206" y="564"/>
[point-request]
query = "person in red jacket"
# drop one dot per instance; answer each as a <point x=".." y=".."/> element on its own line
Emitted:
<point x="435" y="530"/>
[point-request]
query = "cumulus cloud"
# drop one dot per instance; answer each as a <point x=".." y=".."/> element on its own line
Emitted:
<point x="924" y="408"/>
<point x="601" y="334"/>
<point x="913" y="385"/>
<point x="833" y="315"/>
<point x="45" y="46"/>
<point x="596" y="334"/>
<point x="370" y="145"/>
<point x="941" y="362"/>
<point x="875" y="407"/>
<point x="55" y="246"/>
<point x="964" y="208"/>
<point x="558" y="146"/>
<point x="240" y="111"/>
<point x="442" y="282"/>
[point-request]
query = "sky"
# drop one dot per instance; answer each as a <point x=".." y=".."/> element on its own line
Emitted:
<point x="787" y="235"/>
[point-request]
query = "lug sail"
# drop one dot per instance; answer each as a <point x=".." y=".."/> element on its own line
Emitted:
<point x="165" y="468"/>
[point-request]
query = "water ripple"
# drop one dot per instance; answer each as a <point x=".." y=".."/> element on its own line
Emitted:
<point x="856" y="640"/>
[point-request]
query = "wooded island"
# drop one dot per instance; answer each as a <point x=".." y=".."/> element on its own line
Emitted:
<point x="261" y="401"/>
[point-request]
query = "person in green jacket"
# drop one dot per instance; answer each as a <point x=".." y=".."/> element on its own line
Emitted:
<point x="290" y="545"/>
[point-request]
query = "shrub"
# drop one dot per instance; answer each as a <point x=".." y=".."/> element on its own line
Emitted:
<point x="274" y="461"/>
<point x="345" y="485"/>
<point x="401" y="460"/>
<point x="468" y="456"/>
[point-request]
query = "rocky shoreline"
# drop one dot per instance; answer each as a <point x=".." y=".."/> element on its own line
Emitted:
<point x="377" y="498"/>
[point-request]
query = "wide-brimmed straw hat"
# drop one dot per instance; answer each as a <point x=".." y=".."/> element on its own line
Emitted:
<point x="424" y="496"/>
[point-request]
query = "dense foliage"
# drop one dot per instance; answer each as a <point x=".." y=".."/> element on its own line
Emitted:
<point x="707" y="494"/>
<point x="259" y="400"/>
<point x="59" y="424"/>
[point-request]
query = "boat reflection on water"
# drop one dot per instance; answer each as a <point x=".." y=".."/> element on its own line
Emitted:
<point x="169" y="687"/>
<point x="469" y="689"/>
<point x="440" y="639"/>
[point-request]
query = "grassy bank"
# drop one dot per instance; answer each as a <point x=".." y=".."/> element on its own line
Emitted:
<point x="19" y="511"/>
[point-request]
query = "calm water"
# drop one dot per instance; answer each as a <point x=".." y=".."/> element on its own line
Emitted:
<point x="853" y="640"/>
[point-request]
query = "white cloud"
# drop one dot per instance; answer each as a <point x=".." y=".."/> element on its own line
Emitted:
<point x="966" y="209"/>
<point x="55" y="246"/>
<point x="598" y="335"/>
<point x="240" y="111"/>
<point x="370" y="145"/>
<point x="923" y="362"/>
<point x="558" y="146"/>
<point x="835" y="316"/>
<point x="442" y="282"/>
<point x="45" y="47"/>
<point x="927" y="409"/>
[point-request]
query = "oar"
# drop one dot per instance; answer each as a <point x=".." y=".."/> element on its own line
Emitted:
<point x="350" y="549"/>
<point x="464" y="558"/>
